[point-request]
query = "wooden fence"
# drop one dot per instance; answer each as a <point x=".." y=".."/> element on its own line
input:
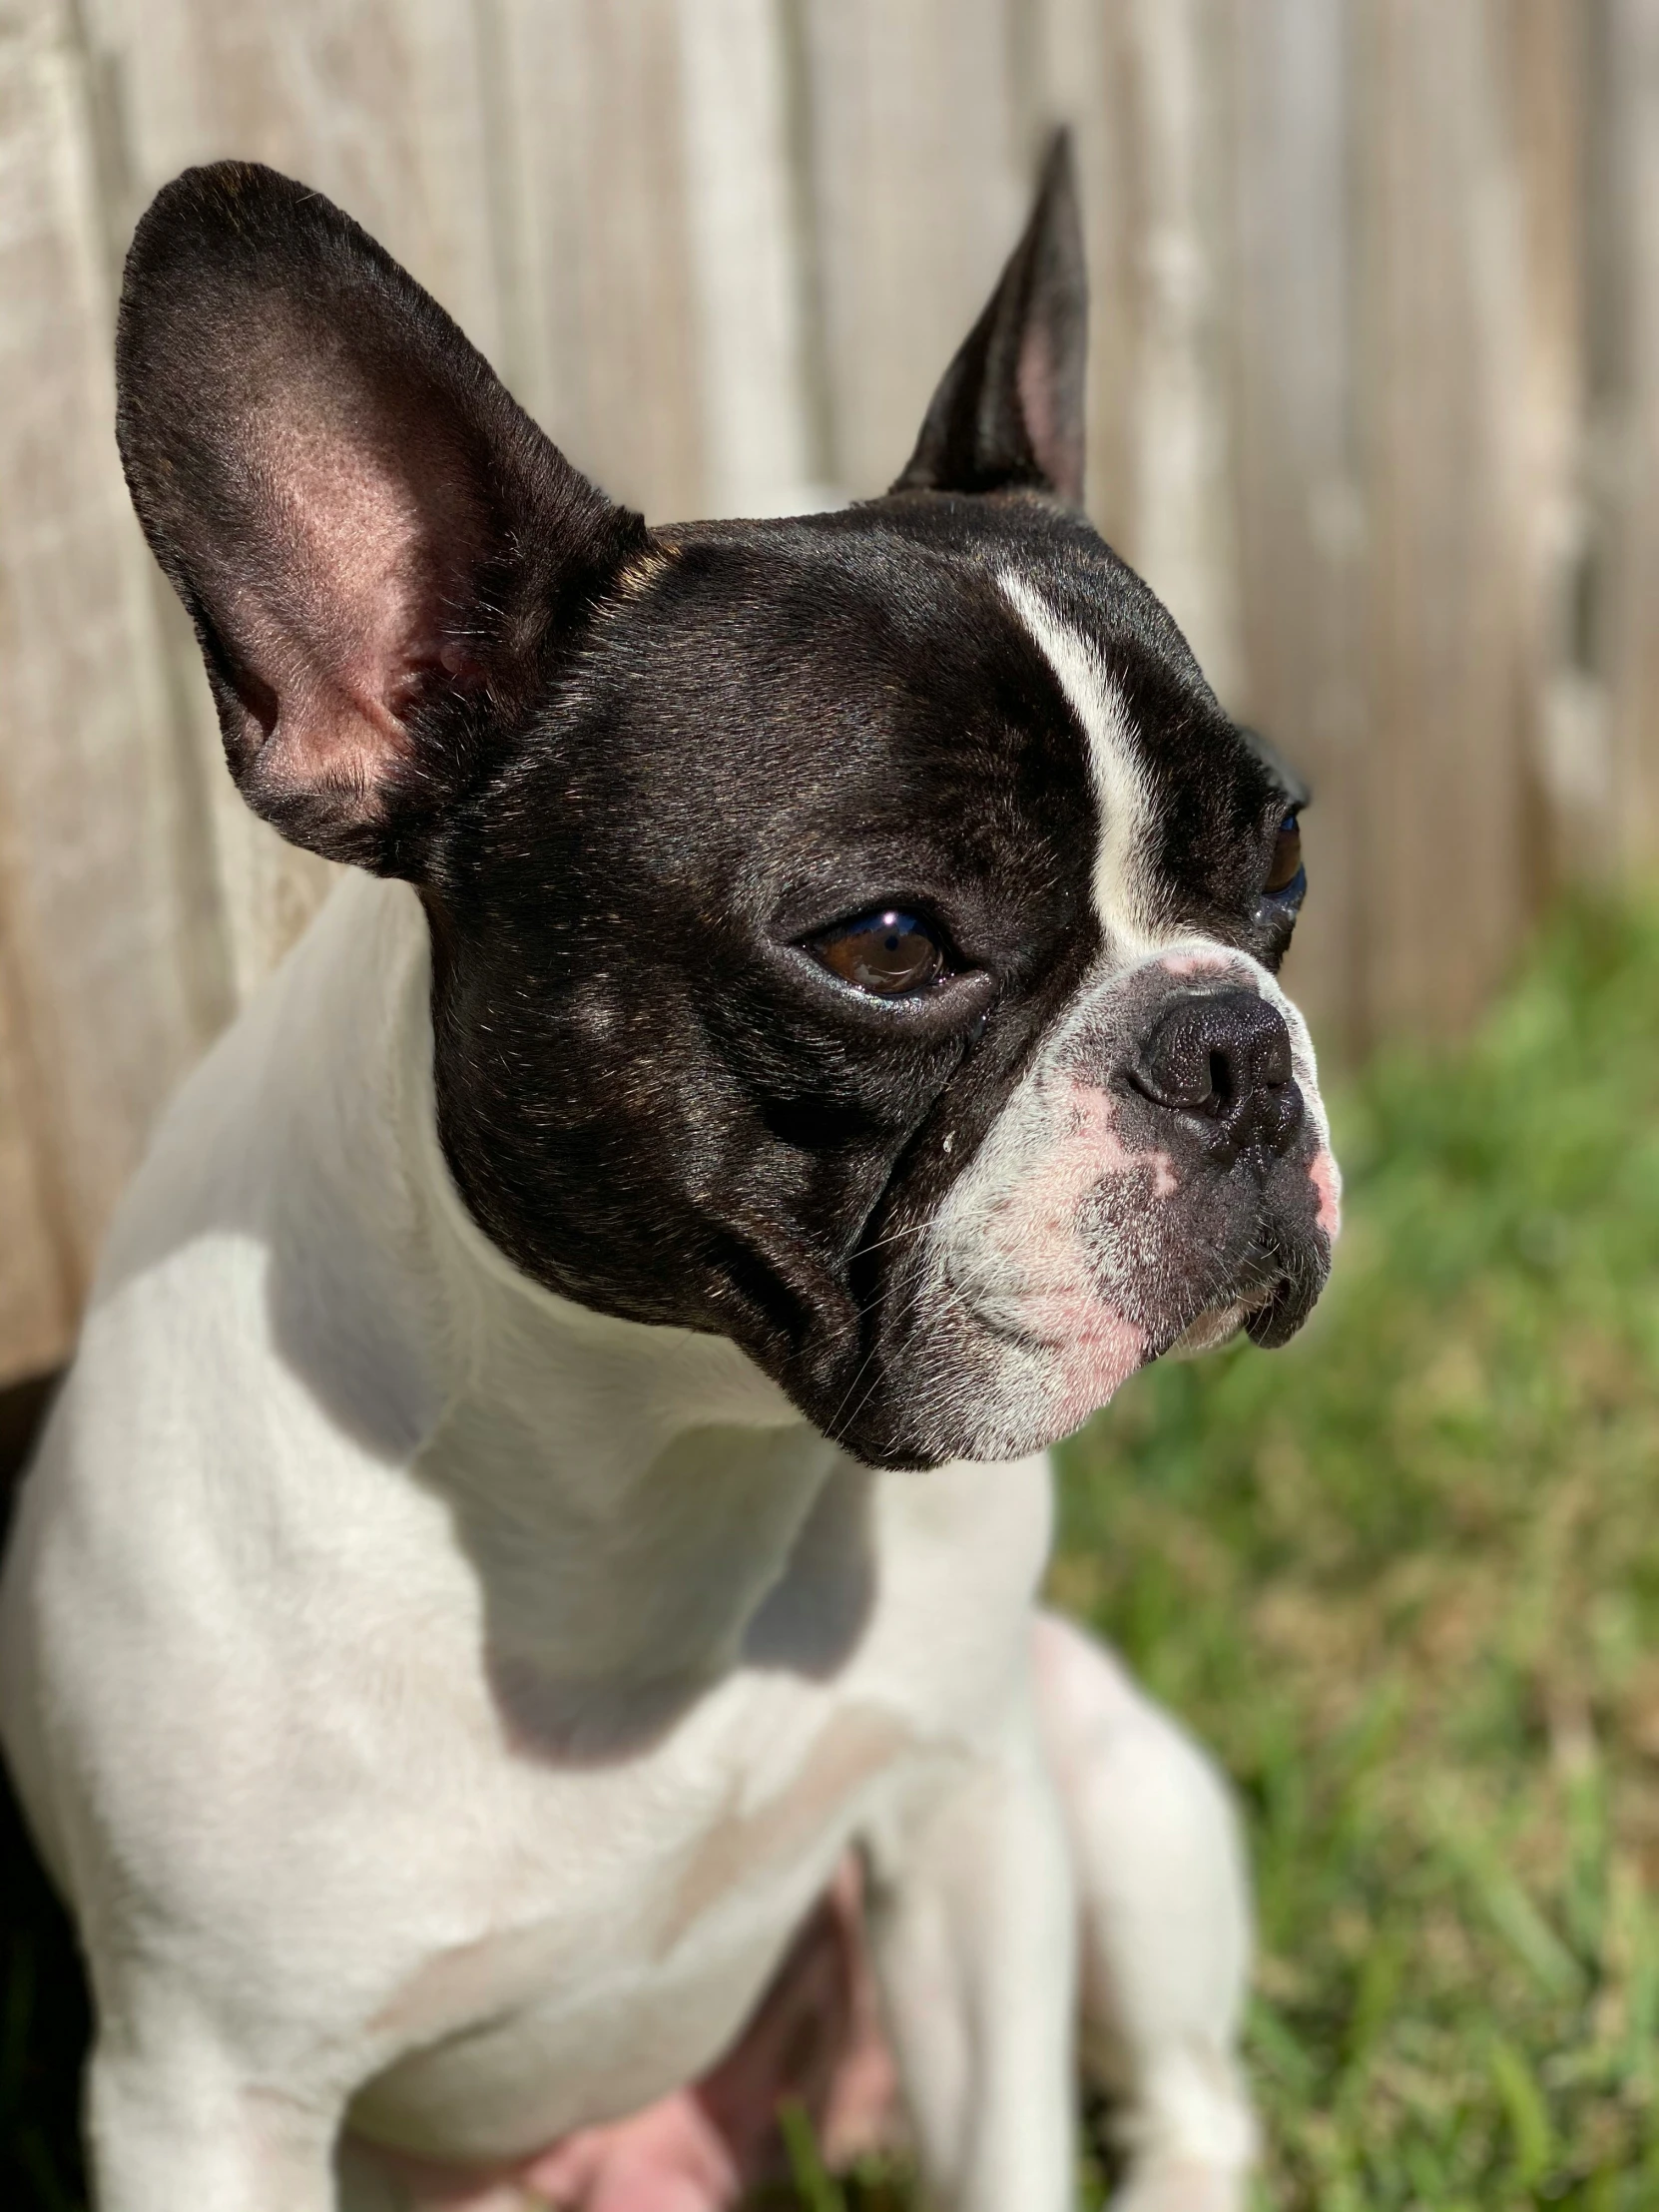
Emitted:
<point x="1374" y="403"/>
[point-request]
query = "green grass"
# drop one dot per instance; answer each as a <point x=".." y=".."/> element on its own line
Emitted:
<point x="1404" y="1578"/>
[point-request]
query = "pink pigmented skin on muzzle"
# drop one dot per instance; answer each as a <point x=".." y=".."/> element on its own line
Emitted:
<point x="1183" y="964"/>
<point x="1096" y="1346"/>
<point x="1327" y="1181"/>
<point x="1102" y="1348"/>
<point x="1036" y="1224"/>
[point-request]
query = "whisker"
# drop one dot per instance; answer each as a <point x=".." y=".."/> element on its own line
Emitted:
<point x="915" y="1229"/>
<point x="903" y="1313"/>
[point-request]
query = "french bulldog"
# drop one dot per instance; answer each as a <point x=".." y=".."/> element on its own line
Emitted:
<point x="535" y="1563"/>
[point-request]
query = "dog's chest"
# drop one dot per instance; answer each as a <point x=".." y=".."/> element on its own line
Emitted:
<point x="629" y="1945"/>
<point x="606" y="1929"/>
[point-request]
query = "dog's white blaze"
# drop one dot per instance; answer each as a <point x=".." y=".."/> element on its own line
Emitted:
<point x="1124" y="803"/>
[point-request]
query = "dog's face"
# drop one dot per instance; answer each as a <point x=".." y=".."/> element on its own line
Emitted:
<point x="855" y="934"/>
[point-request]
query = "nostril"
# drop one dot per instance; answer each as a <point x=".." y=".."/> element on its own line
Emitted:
<point x="1224" y="1059"/>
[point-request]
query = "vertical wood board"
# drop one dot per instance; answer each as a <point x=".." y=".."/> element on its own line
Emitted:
<point x="1441" y="329"/>
<point x="919" y="189"/>
<point x="110" y="986"/>
<point x="1301" y="515"/>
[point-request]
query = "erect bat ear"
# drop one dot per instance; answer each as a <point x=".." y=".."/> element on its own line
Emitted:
<point x="379" y="550"/>
<point x="1009" y="410"/>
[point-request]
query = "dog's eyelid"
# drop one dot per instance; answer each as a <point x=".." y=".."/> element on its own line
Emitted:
<point x="808" y="918"/>
<point x="952" y="998"/>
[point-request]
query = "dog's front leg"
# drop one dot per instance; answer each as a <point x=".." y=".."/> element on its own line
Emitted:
<point x="175" y="2120"/>
<point x="973" y="1923"/>
<point x="1165" y="1924"/>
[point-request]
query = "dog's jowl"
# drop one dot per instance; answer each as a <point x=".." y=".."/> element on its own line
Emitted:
<point x="520" y="1643"/>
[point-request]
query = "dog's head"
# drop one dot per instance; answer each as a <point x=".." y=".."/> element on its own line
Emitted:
<point x="852" y="934"/>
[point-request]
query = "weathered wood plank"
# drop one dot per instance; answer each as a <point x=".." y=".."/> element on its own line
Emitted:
<point x="592" y="181"/>
<point x="1183" y="515"/>
<point x="1627" y="422"/>
<point x="1142" y="83"/>
<point x="920" y="184"/>
<point x="1082" y="73"/>
<point x="375" y="102"/>
<point x="1442" y="329"/>
<point x="743" y="247"/>
<point x="644" y="203"/>
<point x="40" y="1271"/>
<point x="110" y="984"/>
<point x="1300" y="517"/>
<point x="1545" y="83"/>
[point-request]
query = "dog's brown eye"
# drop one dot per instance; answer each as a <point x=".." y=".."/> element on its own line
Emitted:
<point x="887" y="955"/>
<point x="1287" y="856"/>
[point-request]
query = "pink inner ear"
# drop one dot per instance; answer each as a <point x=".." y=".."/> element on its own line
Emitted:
<point x="343" y="621"/>
<point x="1058" y="446"/>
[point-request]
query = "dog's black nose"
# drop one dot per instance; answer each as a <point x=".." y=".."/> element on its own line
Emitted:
<point x="1224" y="1059"/>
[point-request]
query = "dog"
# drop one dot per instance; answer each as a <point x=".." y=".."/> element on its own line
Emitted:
<point x="535" y="1562"/>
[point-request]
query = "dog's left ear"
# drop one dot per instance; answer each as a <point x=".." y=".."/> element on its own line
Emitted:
<point x="1009" y="410"/>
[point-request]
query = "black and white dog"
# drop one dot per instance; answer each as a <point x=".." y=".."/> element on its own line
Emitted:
<point x="554" y="1466"/>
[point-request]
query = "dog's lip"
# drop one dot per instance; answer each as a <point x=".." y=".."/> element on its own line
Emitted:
<point x="1273" y="1321"/>
<point x="1264" y="1288"/>
<point x="1236" y="1307"/>
<point x="1290" y="1276"/>
<point x="1206" y="1331"/>
<point x="1257" y="1282"/>
<point x="1273" y="1288"/>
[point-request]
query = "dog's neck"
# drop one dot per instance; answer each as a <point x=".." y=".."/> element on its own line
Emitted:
<point x="628" y="1494"/>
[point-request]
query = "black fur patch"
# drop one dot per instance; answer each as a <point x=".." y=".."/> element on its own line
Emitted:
<point x="634" y="776"/>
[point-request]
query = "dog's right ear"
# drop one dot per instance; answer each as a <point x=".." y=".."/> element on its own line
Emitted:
<point x="1009" y="410"/>
<point x="379" y="549"/>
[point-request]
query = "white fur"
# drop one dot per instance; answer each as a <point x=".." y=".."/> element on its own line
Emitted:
<point x="1043" y="1292"/>
<point x="441" y="1702"/>
<point x="1123" y="889"/>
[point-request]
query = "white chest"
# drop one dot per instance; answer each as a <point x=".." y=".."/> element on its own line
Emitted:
<point x="611" y="1922"/>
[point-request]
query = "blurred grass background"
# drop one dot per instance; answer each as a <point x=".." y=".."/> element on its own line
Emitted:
<point x="1404" y="1578"/>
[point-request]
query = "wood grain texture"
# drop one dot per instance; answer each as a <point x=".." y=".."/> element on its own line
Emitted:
<point x="597" y="241"/>
<point x="1142" y="84"/>
<point x="743" y="240"/>
<point x="107" y="982"/>
<point x="1183" y="516"/>
<point x="1301" y="516"/>
<point x="1082" y="74"/>
<point x="1627" y="427"/>
<point x="920" y="185"/>
<point x="41" y="1269"/>
<point x="1444" y="771"/>
<point x="1549" y="95"/>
